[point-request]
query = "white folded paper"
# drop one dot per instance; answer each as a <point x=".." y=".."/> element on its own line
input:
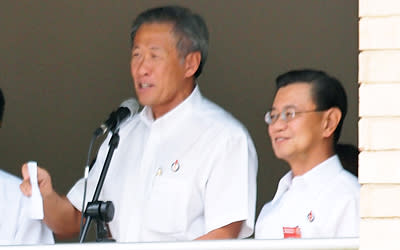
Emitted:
<point x="36" y="209"/>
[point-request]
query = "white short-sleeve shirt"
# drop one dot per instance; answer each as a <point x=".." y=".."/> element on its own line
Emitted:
<point x="322" y="203"/>
<point x="16" y="227"/>
<point x="179" y="177"/>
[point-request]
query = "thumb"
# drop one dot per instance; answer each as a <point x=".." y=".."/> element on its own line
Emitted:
<point x="25" y="185"/>
<point x="25" y="172"/>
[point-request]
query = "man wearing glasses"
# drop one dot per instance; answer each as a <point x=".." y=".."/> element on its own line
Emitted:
<point x="184" y="169"/>
<point x="317" y="198"/>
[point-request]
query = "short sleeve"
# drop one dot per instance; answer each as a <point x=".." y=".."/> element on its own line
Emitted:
<point x="231" y="187"/>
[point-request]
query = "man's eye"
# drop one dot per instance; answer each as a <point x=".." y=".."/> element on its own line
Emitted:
<point x="290" y="114"/>
<point x="274" y="116"/>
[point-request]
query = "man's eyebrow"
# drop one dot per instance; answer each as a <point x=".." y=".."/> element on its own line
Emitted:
<point x="285" y="107"/>
<point x="155" y="48"/>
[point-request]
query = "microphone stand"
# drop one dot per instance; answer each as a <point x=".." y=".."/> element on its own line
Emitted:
<point x="102" y="212"/>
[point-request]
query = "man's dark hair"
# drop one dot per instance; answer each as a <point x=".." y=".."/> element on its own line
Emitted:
<point x="189" y="29"/>
<point x="2" y="103"/>
<point x="326" y="91"/>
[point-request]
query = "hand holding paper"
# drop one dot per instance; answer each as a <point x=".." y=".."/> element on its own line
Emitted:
<point x="36" y="200"/>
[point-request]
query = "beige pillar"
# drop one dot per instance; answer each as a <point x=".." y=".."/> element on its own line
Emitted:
<point x="379" y="125"/>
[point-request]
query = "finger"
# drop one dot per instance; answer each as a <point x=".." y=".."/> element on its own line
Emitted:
<point x="26" y="187"/>
<point x="25" y="172"/>
<point x="43" y="176"/>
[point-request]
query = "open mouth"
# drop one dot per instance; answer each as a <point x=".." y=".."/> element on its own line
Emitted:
<point x="145" y="85"/>
<point x="280" y="139"/>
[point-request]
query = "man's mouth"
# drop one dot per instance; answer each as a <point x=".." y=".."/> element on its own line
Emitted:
<point x="280" y="139"/>
<point x="145" y="85"/>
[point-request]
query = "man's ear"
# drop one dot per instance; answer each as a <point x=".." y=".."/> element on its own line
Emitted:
<point x="192" y="63"/>
<point x="331" y="120"/>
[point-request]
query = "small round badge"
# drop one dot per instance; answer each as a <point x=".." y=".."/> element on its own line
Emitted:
<point x="175" y="166"/>
<point x="310" y="216"/>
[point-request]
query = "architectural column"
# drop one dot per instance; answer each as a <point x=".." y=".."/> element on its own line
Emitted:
<point x="379" y="125"/>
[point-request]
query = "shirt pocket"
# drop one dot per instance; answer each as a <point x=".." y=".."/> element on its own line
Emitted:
<point x="166" y="210"/>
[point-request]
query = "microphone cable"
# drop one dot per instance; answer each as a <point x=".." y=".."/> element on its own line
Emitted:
<point x="86" y="174"/>
<point x="127" y="108"/>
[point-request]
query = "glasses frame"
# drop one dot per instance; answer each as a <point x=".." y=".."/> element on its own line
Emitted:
<point x="284" y="115"/>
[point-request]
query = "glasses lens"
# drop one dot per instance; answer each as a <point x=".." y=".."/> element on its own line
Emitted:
<point x="271" y="117"/>
<point x="267" y="117"/>
<point x="289" y="114"/>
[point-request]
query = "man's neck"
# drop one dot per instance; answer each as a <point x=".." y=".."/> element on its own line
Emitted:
<point x="304" y="163"/>
<point x="161" y="110"/>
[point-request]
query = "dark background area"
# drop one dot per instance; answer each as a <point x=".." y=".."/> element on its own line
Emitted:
<point x="64" y="66"/>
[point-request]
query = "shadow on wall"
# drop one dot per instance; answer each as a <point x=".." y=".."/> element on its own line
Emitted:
<point x="348" y="155"/>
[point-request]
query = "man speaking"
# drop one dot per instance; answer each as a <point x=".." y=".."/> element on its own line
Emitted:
<point x="184" y="169"/>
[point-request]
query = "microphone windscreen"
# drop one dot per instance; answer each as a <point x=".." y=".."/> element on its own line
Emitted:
<point x="132" y="105"/>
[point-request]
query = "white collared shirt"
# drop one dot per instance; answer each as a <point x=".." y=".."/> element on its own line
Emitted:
<point x="323" y="203"/>
<point x="179" y="177"/>
<point x="16" y="227"/>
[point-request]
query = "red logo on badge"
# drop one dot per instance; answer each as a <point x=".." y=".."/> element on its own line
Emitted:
<point x="291" y="232"/>
<point x="310" y="216"/>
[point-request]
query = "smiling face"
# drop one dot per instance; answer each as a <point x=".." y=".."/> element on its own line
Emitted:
<point x="162" y="77"/>
<point x="299" y="138"/>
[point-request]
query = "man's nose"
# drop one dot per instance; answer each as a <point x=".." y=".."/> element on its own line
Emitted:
<point x="142" y="67"/>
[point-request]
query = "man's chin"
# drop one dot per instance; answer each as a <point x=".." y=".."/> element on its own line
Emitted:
<point x="144" y="101"/>
<point x="281" y="155"/>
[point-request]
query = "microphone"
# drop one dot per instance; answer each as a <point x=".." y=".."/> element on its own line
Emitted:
<point x="127" y="109"/>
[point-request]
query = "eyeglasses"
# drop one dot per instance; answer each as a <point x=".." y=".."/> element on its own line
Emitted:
<point x="287" y="114"/>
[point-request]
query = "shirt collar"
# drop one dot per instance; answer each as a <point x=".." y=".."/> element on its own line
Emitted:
<point x="174" y="115"/>
<point x="323" y="172"/>
<point x="316" y="178"/>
